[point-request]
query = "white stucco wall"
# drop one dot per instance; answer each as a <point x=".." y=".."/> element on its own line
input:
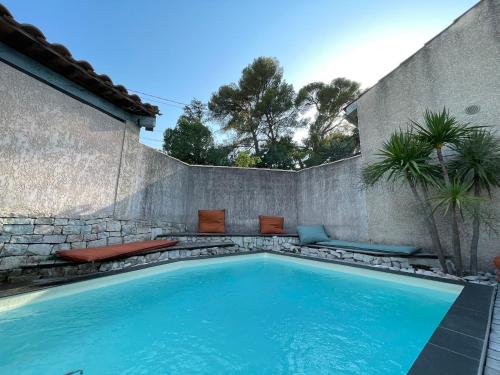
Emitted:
<point x="57" y="155"/>
<point x="458" y="68"/>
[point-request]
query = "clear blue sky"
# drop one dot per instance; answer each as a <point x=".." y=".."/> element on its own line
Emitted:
<point x="186" y="49"/>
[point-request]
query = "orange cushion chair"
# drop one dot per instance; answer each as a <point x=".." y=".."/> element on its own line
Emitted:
<point x="113" y="251"/>
<point x="211" y="221"/>
<point x="271" y="224"/>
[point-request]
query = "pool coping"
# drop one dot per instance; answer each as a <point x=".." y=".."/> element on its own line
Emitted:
<point x="458" y="345"/>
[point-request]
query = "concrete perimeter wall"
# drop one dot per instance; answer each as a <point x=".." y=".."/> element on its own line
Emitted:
<point x="331" y="195"/>
<point x="244" y="193"/>
<point x="458" y="68"/>
<point x="151" y="185"/>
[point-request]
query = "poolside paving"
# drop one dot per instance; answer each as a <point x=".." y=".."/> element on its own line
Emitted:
<point x="492" y="366"/>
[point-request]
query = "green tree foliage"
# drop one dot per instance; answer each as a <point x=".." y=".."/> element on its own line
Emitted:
<point x="245" y="159"/>
<point x="259" y="109"/>
<point x="440" y="130"/>
<point x="327" y="101"/>
<point x="334" y="146"/>
<point x="405" y="158"/>
<point x="188" y="141"/>
<point x="280" y="155"/>
<point x="220" y="155"/>
<point x="191" y="141"/>
<point x="477" y="160"/>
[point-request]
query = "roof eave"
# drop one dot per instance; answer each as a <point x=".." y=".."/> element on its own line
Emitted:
<point x="30" y="41"/>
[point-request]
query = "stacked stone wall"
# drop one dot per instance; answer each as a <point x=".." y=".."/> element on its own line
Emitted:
<point x="32" y="239"/>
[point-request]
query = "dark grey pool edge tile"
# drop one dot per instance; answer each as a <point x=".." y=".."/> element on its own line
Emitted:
<point x="436" y="360"/>
<point x="465" y="345"/>
<point x="443" y="355"/>
<point x="475" y="297"/>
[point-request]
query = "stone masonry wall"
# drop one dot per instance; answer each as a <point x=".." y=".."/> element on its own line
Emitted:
<point x="290" y="245"/>
<point x="32" y="239"/>
<point x="287" y="245"/>
<point x="18" y="275"/>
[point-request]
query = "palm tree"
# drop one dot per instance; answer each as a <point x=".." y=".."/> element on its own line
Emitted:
<point x="405" y="158"/>
<point x="453" y="199"/>
<point x="478" y="160"/>
<point x="440" y="130"/>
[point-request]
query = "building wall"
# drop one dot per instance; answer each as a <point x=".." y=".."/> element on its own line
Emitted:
<point x="331" y="195"/>
<point x="152" y="185"/>
<point x="458" y="68"/>
<point x="58" y="156"/>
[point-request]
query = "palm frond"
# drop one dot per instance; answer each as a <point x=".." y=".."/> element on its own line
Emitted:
<point x="402" y="157"/>
<point x="455" y="195"/>
<point x="440" y="129"/>
<point x="478" y="159"/>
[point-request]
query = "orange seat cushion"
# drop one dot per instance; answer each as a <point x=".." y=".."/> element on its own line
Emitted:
<point x="114" y="251"/>
<point x="271" y="224"/>
<point x="211" y="221"/>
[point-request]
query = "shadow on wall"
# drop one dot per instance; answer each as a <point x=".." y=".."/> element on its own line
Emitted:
<point x="161" y="188"/>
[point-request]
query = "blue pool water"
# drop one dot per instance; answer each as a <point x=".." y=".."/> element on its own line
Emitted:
<point x="253" y="316"/>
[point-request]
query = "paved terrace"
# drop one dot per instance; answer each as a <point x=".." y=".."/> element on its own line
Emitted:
<point x="493" y="355"/>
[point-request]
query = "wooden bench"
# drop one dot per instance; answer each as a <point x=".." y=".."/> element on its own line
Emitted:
<point x="185" y="246"/>
<point x="56" y="271"/>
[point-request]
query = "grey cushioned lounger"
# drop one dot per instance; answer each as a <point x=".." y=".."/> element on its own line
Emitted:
<point x="370" y="246"/>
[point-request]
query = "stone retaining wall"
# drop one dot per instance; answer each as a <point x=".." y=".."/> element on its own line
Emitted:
<point x="242" y="244"/>
<point x="29" y="274"/>
<point x="31" y="239"/>
<point x="290" y="245"/>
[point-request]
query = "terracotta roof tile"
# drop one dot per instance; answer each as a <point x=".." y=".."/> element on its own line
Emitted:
<point x="30" y="41"/>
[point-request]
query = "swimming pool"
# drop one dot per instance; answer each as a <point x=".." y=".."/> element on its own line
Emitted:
<point x="249" y="314"/>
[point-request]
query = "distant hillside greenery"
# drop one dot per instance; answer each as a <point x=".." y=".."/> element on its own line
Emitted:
<point x="260" y="114"/>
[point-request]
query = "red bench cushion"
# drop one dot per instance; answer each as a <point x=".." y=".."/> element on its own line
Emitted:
<point x="114" y="251"/>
